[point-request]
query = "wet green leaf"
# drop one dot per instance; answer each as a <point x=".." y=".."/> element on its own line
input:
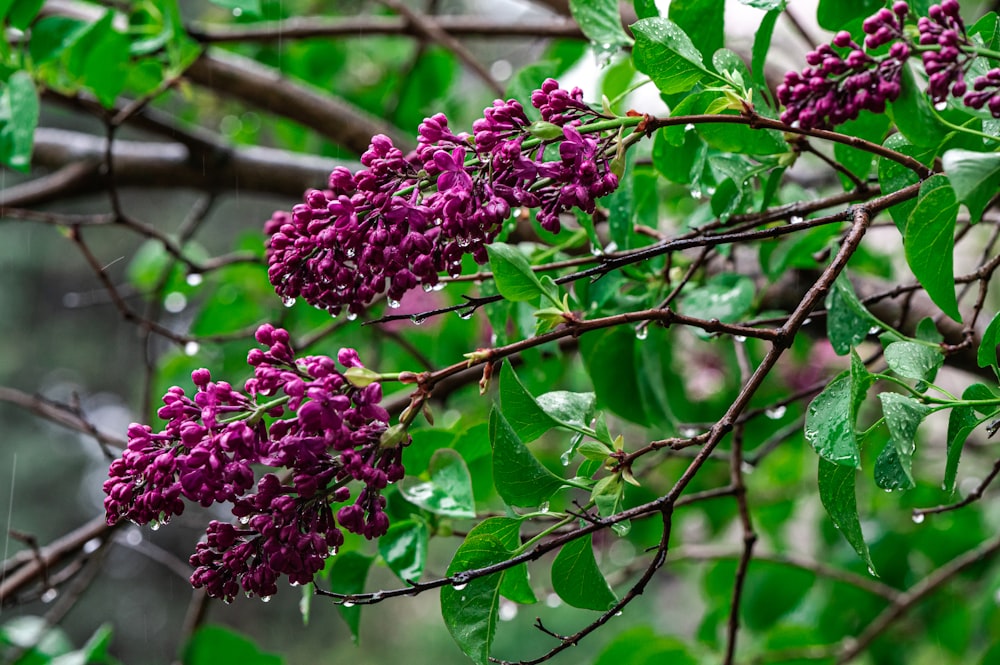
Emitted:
<point x="913" y="360"/>
<point x="836" y="492"/>
<point x="449" y="490"/>
<point x="702" y="21"/>
<point x="347" y="575"/>
<point x="512" y="273"/>
<point x="975" y="177"/>
<point x="665" y="53"/>
<point x="929" y="241"/>
<point x="404" y="549"/>
<point x="519" y="478"/>
<point x="848" y="321"/>
<point x="215" y="645"/>
<point x="600" y="21"/>
<point x="578" y="580"/>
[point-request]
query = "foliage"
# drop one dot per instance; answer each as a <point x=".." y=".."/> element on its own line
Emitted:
<point x="680" y="326"/>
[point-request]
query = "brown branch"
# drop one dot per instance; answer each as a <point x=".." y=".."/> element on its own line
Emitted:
<point x="61" y="414"/>
<point x="251" y="82"/>
<point x="309" y="27"/>
<point x="975" y="495"/>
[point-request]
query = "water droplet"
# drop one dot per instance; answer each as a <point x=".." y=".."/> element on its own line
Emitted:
<point x="642" y="332"/>
<point x="918" y="518"/>
<point x="553" y="600"/>
<point x="294" y="584"/>
<point x="565" y="458"/>
<point x="776" y="413"/>
<point x="288" y="301"/>
<point x="350" y="252"/>
<point x="154" y="525"/>
<point x="940" y="106"/>
<point x="688" y="432"/>
<point x="462" y="599"/>
<point x="439" y="286"/>
<point x="245" y="519"/>
<point x="351" y="316"/>
<point x="427" y="288"/>
<point x="417" y="319"/>
<point x="595" y="250"/>
<point x="49" y="595"/>
<point x="191" y="348"/>
<point x="332" y="551"/>
<point x="746" y="468"/>
<point x="377" y="596"/>
<point x="806" y="322"/>
<point x="348" y="603"/>
<point x="394" y="304"/>
<point x="466" y="315"/>
<point x="710" y="190"/>
<point x="874" y="330"/>
<point x="237" y="12"/>
<point x="507" y="611"/>
<point x="194" y="279"/>
<point x="460" y="586"/>
<point x="871" y="571"/>
<point x="140" y="481"/>
<point x="795" y="219"/>
<point x="618" y="613"/>
<point x="739" y="339"/>
<point x="696" y="194"/>
<point x="227" y="601"/>
<point x="544" y="508"/>
<point x="265" y="599"/>
<point x="689" y="127"/>
<point x="91" y="545"/>
<point x="175" y="302"/>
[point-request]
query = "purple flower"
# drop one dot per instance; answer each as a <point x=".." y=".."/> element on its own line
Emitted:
<point x="300" y="414"/>
<point x="403" y="220"/>
<point x="834" y="88"/>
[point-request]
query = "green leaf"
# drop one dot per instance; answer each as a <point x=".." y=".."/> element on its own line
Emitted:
<point x="215" y="645"/>
<point x="726" y="297"/>
<point x="449" y="490"/>
<point x="987" y="354"/>
<point x="929" y="241"/>
<point x="869" y="126"/>
<point x="762" y="43"/>
<point x="913" y="360"/>
<point x="608" y="495"/>
<point x="665" y="53"/>
<point x="975" y="177"/>
<point x="903" y="416"/>
<point x="578" y="580"/>
<point x="23" y="12"/>
<point x="507" y="530"/>
<point x="568" y="408"/>
<point x="911" y="111"/>
<point x="512" y="273"/>
<point x="829" y="426"/>
<point x="19" y="104"/>
<point x="601" y="22"/>
<point x="893" y="176"/>
<point x="642" y="646"/>
<point x="347" y="575"/>
<point x="702" y="21"/>
<point x="848" y="321"/>
<point x="835" y="14"/>
<point x="836" y="492"/>
<point x="528" y="420"/>
<point x="470" y="612"/>
<point x="927" y="331"/>
<point x="94" y="651"/>
<point x="961" y="421"/>
<point x="766" y="5"/>
<point x="519" y="478"/>
<point x="404" y="549"/>
<point x="52" y="35"/>
<point x="609" y="356"/>
<point x="106" y="68"/>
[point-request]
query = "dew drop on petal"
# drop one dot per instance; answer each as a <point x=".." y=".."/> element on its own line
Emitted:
<point x="245" y="519"/>
<point x="288" y="301"/>
<point x="427" y="288"/>
<point x="154" y="525"/>
<point x="265" y="599"/>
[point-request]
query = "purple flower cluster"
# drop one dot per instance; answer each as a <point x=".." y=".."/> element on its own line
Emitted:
<point x="834" y="89"/>
<point x="945" y="67"/>
<point x="300" y="414"/>
<point x="404" y="219"/>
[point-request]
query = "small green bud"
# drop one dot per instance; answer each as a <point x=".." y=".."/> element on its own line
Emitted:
<point x="360" y="377"/>
<point x="545" y="131"/>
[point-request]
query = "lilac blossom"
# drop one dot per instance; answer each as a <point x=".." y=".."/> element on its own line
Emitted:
<point x="403" y="220"/>
<point x="301" y="414"/>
